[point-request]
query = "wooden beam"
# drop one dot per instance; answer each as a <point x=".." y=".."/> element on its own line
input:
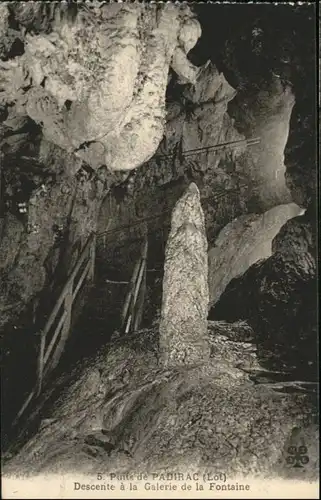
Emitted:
<point x="65" y="289"/>
<point x="130" y="292"/>
<point x="131" y="316"/>
<point x="86" y="272"/>
<point x="92" y="256"/>
<point x="40" y="364"/>
<point x="142" y="272"/>
<point x="140" y="302"/>
<point x="24" y="406"/>
<point x="55" y="336"/>
<point x="67" y="297"/>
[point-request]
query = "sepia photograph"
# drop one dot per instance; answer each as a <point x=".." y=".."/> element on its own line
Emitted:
<point x="158" y="249"/>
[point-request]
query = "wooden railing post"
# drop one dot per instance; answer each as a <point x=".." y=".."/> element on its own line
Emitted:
<point x="92" y="256"/>
<point x="48" y="356"/>
<point x="131" y="289"/>
<point x="137" y="288"/>
<point x="133" y="297"/>
<point x="68" y="301"/>
<point x="139" y="307"/>
<point x="40" y="363"/>
<point x="68" y="308"/>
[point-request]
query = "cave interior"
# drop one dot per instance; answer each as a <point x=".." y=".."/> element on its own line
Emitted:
<point x="258" y="74"/>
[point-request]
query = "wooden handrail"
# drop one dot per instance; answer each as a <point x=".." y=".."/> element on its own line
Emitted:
<point x="130" y="315"/>
<point x="66" y="287"/>
<point x="81" y="279"/>
<point x="138" y="312"/>
<point x="133" y="295"/>
<point x="131" y="287"/>
<point x="189" y="152"/>
<point x="54" y="338"/>
<point x="25" y="405"/>
<point x="141" y="272"/>
<point x="70" y="294"/>
<point x="66" y="297"/>
<point x="40" y="363"/>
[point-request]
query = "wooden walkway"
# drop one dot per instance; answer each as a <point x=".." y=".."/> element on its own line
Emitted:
<point x="56" y="331"/>
<point x="58" y="326"/>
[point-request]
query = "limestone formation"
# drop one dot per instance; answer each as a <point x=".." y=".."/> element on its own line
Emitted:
<point x="277" y="296"/>
<point x="183" y="327"/>
<point x="96" y="83"/>
<point x="243" y="242"/>
<point x="233" y="181"/>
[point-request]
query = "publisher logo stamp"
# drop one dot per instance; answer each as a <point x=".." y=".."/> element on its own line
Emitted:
<point x="297" y="456"/>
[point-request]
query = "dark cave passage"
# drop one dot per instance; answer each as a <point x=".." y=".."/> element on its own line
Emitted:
<point x="285" y="331"/>
<point x="101" y="315"/>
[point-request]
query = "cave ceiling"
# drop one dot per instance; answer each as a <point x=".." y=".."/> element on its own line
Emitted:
<point x="57" y="86"/>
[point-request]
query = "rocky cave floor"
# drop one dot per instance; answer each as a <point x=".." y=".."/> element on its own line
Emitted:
<point x="121" y="410"/>
<point x="110" y="403"/>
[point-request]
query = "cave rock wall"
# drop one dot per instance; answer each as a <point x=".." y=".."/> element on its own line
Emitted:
<point x="241" y="243"/>
<point x="83" y="96"/>
<point x="278" y="297"/>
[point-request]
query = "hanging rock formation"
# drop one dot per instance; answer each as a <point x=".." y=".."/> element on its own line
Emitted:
<point x="96" y="80"/>
<point x="235" y="180"/>
<point x="183" y="327"/>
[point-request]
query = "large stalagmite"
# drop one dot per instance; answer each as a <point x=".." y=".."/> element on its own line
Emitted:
<point x="183" y="327"/>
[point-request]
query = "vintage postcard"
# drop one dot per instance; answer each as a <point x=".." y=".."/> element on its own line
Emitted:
<point x="158" y="249"/>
